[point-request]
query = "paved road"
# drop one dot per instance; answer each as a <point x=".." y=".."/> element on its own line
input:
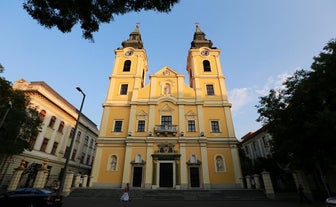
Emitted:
<point x="105" y="202"/>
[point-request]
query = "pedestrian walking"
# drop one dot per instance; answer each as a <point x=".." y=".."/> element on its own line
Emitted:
<point x="125" y="195"/>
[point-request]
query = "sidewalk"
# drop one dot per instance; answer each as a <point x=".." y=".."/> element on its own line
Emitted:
<point x="109" y="202"/>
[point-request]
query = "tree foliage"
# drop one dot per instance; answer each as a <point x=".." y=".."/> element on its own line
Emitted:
<point x="64" y="14"/>
<point x="302" y="117"/>
<point x="19" y="121"/>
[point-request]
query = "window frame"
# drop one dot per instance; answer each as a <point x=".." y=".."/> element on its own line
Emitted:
<point x="206" y="66"/>
<point x="123" y="91"/>
<point x="191" y="127"/>
<point x="116" y="127"/>
<point x="141" y="127"/>
<point x="214" y="124"/>
<point x="210" y="89"/>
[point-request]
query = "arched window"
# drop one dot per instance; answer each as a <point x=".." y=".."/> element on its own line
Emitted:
<point x="52" y="121"/>
<point x="42" y="114"/>
<point x="206" y="66"/>
<point x="127" y="66"/>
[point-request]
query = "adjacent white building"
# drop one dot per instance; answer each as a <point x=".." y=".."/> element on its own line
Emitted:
<point x="52" y="143"/>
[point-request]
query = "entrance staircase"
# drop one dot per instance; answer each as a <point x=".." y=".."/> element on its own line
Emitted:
<point x="171" y="194"/>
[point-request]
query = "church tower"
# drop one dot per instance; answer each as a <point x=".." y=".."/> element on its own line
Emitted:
<point x="167" y="134"/>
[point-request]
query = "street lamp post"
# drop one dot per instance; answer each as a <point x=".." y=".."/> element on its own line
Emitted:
<point x="61" y="187"/>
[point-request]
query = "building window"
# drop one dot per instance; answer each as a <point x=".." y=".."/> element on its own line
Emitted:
<point x="82" y="158"/>
<point x="123" y="89"/>
<point x="44" y="145"/>
<point x="117" y="126"/>
<point x="206" y="66"/>
<point x="86" y="141"/>
<point x="67" y="149"/>
<point x="166" y="120"/>
<point x="191" y="126"/>
<point x="210" y="90"/>
<point x="141" y="125"/>
<point x="91" y="143"/>
<point x="52" y="121"/>
<point x="72" y="133"/>
<point x="42" y="114"/>
<point x="61" y="127"/>
<point x="54" y="148"/>
<point x="214" y="126"/>
<point x="32" y="142"/>
<point x="88" y="159"/>
<point x="127" y="66"/>
<point x="78" y="136"/>
<point x="73" y="156"/>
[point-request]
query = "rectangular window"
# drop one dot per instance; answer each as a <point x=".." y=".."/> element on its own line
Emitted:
<point x="82" y="158"/>
<point x="214" y="126"/>
<point x="123" y="89"/>
<point x="44" y="145"/>
<point x="117" y="126"/>
<point x="73" y="156"/>
<point x="78" y="136"/>
<point x="210" y="90"/>
<point x="141" y="125"/>
<point x="86" y="141"/>
<point x="54" y="148"/>
<point x="88" y="160"/>
<point x="32" y="141"/>
<point x="191" y="126"/>
<point x="166" y="120"/>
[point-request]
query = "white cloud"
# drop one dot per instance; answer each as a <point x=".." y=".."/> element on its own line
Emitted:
<point x="273" y="83"/>
<point x="239" y="97"/>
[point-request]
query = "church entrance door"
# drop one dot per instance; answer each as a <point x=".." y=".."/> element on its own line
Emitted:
<point x="194" y="177"/>
<point x="166" y="175"/>
<point x="137" y="176"/>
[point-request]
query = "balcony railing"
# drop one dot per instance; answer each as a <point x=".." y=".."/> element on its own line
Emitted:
<point x="166" y="129"/>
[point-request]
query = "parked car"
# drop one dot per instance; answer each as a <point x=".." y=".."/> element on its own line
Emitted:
<point x="331" y="202"/>
<point x="31" y="197"/>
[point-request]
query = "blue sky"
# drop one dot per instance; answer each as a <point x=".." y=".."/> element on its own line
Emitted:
<point x="262" y="42"/>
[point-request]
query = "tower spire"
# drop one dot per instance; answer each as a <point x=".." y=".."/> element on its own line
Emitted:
<point x="134" y="39"/>
<point x="199" y="39"/>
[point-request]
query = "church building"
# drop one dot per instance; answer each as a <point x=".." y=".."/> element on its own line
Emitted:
<point x="167" y="134"/>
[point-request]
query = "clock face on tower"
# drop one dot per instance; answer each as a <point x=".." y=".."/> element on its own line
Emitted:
<point x="204" y="52"/>
<point x="129" y="53"/>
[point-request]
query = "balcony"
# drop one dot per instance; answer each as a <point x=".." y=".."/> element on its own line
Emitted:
<point x="166" y="129"/>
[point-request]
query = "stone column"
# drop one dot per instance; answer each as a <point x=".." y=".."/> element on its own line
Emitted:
<point x="269" y="191"/>
<point x="85" y="179"/>
<point x="248" y="182"/>
<point x="14" y="182"/>
<point x="242" y="182"/>
<point x="300" y="178"/>
<point x="90" y="181"/>
<point x="68" y="182"/>
<point x="42" y="175"/>
<point x="257" y="181"/>
<point x="77" y="180"/>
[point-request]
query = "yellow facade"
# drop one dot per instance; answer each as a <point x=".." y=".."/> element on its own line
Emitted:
<point x="167" y="134"/>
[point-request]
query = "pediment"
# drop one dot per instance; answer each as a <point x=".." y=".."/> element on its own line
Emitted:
<point x="167" y="72"/>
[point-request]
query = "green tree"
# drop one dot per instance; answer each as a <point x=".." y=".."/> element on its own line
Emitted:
<point x="19" y="121"/>
<point x="302" y="117"/>
<point x="64" y="14"/>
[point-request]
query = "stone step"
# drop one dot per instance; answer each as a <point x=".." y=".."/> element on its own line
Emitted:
<point x="135" y="194"/>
